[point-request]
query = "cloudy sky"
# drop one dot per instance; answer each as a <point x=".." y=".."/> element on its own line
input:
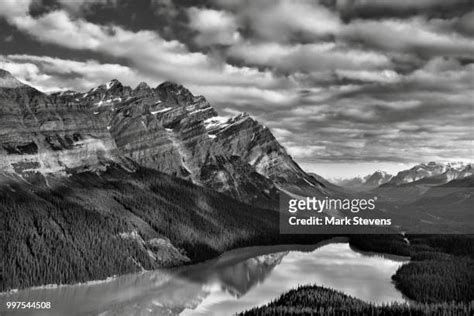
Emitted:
<point x="347" y="86"/>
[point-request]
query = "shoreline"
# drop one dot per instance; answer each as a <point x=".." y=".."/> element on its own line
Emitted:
<point x="56" y="286"/>
<point x="121" y="292"/>
<point x="226" y="257"/>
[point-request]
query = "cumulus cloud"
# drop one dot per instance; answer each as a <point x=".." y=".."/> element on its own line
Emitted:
<point x="53" y="74"/>
<point x="279" y="20"/>
<point x="13" y="8"/>
<point x="415" y="35"/>
<point x="309" y="57"/>
<point x="427" y="115"/>
<point x="388" y="76"/>
<point x="146" y="50"/>
<point x="213" y="26"/>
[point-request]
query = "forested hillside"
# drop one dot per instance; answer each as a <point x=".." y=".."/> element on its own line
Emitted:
<point x="90" y="226"/>
<point x="315" y="300"/>
<point x="441" y="268"/>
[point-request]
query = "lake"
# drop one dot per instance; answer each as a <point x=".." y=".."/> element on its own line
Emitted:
<point x="238" y="280"/>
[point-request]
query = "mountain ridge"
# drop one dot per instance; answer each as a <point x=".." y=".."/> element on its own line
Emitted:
<point x="431" y="173"/>
<point x="365" y="183"/>
<point x="165" y="128"/>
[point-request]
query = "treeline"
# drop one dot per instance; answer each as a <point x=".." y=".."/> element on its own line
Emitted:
<point x="391" y="244"/>
<point x="315" y="300"/>
<point x="441" y="268"/>
<point x="69" y="231"/>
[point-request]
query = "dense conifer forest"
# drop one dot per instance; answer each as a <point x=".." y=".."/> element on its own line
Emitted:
<point x="315" y="300"/>
<point x="441" y="268"/>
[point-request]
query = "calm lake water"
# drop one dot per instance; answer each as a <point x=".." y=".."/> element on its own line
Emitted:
<point x="236" y="281"/>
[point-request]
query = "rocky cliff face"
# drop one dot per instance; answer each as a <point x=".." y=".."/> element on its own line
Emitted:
<point x="165" y="128"/>
<point x="42" y="134"/>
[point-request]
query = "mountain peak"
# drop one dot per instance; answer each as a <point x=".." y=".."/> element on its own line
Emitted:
<point x="432" y="170"/>
<point x="173" y="88"/>
<point x="363" y="183"/>
<point x="174" y="93"/>
<point x="8" y="81"/>
<point x="142" y="86"/>
<point x="112" y="83"/>
<point x="243" y="115"/>
<point x="377" y="178"/>
<point x="170" y="85"/>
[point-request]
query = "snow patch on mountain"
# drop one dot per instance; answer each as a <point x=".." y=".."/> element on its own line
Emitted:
<point x="216" y="122"/>
<point x="432" y="173"/>
<point x="161" y="110"/>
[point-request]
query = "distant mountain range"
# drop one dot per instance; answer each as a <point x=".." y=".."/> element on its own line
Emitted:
<point x="411" y="184"/>
<point x="367" y="182"/>
<point x="427" y="198"/>
<point x="430" y="198"/>
<point x="431" y="173"/>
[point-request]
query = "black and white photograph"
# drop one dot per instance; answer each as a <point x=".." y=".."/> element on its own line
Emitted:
<point x="236" y="157"/>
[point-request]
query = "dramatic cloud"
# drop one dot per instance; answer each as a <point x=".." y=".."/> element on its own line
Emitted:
<point x="376" y="9"/>
<point x="14" y="8"/>
<point x="415" y="35"/>
<point x="151" y="55"/>
<point x="145" y="49"/>
<point x="55" y="74"/>
<point x="337" y="81"/>
<point x="302" y="57"/>
<point x="279" y="20"/>
<point x="214" y="27"/>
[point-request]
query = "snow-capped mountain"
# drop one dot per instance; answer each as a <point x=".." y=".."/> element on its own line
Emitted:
<point x="432" y="173"/>
<point x="165" y="128"/>
<point x="411" y="184"/>
<point x="378" y="178"/>
<point x="367" y="182"/>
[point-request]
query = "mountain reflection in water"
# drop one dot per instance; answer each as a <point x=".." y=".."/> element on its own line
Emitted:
<point x="238" y="280"/>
